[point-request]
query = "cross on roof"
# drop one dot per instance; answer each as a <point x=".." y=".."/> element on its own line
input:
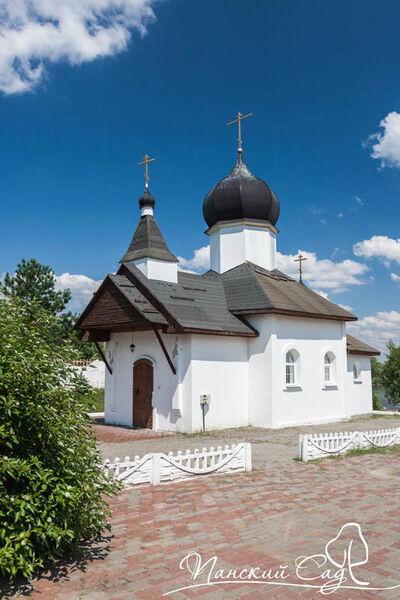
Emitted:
<point x="146" y="160"/>
<point x="300" y="259"/>
<point x="238" y="120"/>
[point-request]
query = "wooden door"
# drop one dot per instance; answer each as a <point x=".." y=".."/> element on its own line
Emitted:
<point x="142" y="394"/>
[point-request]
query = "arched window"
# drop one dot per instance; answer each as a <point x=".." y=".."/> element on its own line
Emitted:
<point x="356" y="371"/>
<point x="329" y="360"/>
<point x="290" y="367"/>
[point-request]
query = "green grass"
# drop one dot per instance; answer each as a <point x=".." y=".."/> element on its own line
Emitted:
<point x="97" y="405"/>
<point x="391" y="450"/>
<point x="394" y="450"/>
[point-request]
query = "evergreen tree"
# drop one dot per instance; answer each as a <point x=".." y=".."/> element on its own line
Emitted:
<point x="391" y="373"/>
<point x="35" y="284"/>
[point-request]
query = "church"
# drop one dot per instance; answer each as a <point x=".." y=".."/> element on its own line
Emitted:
<point x="242" y="344"/>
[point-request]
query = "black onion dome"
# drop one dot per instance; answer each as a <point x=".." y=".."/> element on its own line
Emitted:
<point x="147" y="199"/>
<point x="239" y="196"/>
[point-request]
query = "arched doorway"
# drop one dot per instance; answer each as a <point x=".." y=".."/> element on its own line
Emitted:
<point x="142" y="394"/>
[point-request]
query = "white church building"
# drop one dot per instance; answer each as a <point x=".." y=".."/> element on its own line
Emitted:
<point x="242" y="344"/>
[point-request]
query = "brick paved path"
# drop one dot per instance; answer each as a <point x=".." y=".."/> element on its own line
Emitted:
<point x="265" y="518"/>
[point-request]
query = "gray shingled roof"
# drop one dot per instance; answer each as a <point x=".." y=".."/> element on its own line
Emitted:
<point x="216" y="303"/>
<point x="148" y="241"/>
<point x="250" y="288"/>
<point x="195" y="302"/>
<point x="138" y="301"/>
<point x="356" y="346"/>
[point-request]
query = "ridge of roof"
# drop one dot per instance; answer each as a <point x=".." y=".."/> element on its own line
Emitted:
<point x="148" y="242"/>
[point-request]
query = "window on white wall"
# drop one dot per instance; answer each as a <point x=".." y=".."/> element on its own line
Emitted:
<point x="356" y="372"/>
<point x="291" y="367"/>
<point x="329" y="368"/>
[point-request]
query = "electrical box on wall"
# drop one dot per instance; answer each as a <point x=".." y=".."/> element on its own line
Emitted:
<point x="205" y="399"/>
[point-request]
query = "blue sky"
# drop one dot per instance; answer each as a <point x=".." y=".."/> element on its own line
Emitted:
<point x="80" y="105"/>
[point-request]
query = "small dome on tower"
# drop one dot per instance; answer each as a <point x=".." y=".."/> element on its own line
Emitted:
<point x="240" y="196"/>
<point x="147" y="199"/>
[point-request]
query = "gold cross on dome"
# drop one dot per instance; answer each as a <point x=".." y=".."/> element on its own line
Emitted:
<point x="300" y="259"/>
<point x="238" y="120"/>
<point x="146" y="160"/>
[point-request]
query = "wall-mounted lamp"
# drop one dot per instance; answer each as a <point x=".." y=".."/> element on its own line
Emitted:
<point x="132" y="348"/>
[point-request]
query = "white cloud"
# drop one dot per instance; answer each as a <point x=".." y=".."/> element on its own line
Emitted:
<point x="378" y="329"/>
<point x="394" y="277"/>
<point x="34" y="33"/>
<point x="82" y="289"/>
<point x="359" y="200"/>
<point x="322" y="293"/>
<point x="199" y="262"/>
<point x="379" y="246"/>
<point x="346" y="307"/>
<point x="340" y="215"/>
<point x="386" y="148"/>
<point x="316" y="211"/>
<point x="324" y="273"/>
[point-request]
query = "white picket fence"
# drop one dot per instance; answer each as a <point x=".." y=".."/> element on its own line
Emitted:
<point x="156" y="468"/>
<point x="333" y="444"/>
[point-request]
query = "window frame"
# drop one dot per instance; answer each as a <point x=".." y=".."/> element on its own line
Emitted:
<point x="329" y="366"/>
<point x="292" y="369"/>
<point x="357" y="372"/>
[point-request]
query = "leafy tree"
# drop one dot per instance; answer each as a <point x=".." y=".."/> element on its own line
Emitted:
<point x="51" y="487"/>
<point x="376" y="371"/>
<point x="391" y="373"/>
<point x="35" y="283"/>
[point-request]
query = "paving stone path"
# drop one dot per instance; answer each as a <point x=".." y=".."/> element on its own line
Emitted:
<point x="267" y="518"/>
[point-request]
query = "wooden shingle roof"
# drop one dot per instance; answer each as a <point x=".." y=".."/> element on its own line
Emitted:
<point x="208" y="303"/>
<point x="148" y="241"/>
<point x="356" y="346"/>
<point x="251" y="289"/>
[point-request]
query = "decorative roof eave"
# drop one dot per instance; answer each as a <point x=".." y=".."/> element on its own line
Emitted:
<point x="155" y="253"/>
<point x="108" y="281"/>
<point x="363" y="352"/>
<point x="292" y="313"/>
<point x="250" y="334"/>
<point x="246" y="222"/>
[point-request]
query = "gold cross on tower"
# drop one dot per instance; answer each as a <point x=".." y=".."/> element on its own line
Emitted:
<point x="300" y="260"/>
<point x="145" y="162"/>
<point x="238" y="120"/>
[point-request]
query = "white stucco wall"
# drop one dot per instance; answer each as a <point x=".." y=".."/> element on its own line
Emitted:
<point x="94" y="373"/>
<point x="359" y="392"/>
<point x="231" y="246"/>
<point x="244" y="377"/>
<point x="170" y="402"/>
<point x="275" y="404"/>
<point x="158" y="269"/>
<point x="214" y="365"/>
<point x="219" y="368"/>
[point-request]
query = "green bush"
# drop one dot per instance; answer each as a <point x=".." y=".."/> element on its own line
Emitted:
<point x="376" y="401"/>
<point x="52" y="491"/>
